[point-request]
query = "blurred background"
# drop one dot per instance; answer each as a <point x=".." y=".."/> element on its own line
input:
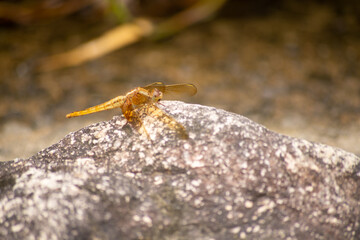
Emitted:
<point x="293" y="66"/>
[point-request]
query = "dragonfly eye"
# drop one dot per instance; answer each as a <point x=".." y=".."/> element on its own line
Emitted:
<point x="157" y="95"/>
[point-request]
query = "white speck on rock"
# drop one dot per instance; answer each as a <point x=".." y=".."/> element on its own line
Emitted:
<point x="249" y="204"/>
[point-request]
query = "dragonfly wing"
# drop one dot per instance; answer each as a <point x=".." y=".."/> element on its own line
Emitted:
<point x="154" y="85"/>
<point x="134" y="119"/>
<point x="156" y="120"/>
<point x="184" y="89"/>
<point x="174" y="90"/>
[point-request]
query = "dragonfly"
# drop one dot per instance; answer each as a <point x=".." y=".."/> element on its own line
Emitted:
<point x="140" y="102"/>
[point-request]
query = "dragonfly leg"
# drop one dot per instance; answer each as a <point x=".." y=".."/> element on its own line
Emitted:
<point x="142" y="125"/>
<point x="160" y="103"/>
<point x="134" y="119"/>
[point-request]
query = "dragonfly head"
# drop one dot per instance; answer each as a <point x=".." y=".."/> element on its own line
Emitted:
<point x="156" y="95"/>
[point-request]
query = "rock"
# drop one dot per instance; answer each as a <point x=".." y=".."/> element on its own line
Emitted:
<point x="232" y="179"/>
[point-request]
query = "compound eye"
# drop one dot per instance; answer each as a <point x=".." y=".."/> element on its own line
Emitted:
<point x="157" y="94"/>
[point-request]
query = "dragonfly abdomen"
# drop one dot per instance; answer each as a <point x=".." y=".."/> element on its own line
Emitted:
<point x="117" y="102"/>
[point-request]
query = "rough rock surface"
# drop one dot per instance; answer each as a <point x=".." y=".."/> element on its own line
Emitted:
<point x="232" y="179"/>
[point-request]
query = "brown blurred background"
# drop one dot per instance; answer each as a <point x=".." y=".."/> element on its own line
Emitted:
<point x="292" y="66"/>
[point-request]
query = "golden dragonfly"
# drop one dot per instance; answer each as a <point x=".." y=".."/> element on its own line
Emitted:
<point x="141" y="102"/>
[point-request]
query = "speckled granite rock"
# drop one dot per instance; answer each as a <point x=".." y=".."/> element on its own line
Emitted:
<point x="231" y="179"/>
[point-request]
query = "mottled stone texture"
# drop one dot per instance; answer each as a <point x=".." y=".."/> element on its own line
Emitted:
<point x="232" y="179"/>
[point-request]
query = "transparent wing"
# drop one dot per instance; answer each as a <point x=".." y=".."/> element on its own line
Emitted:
<point x="174" y="90"/>
<point x="152" y="119"/>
